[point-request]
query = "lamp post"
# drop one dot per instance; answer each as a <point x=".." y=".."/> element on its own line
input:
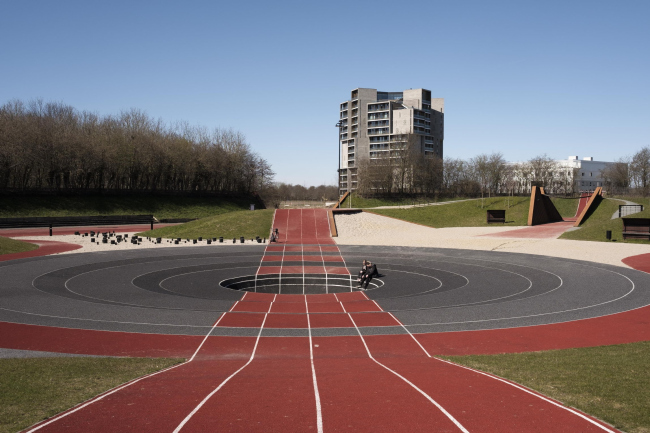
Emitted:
<point x="338" y="175"/>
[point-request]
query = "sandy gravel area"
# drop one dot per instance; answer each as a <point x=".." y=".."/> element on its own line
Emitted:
<point x="88" y="246"/>
<point x="372" y="229"/>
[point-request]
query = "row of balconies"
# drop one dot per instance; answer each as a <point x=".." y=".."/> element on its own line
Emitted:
<point x="378" y="131"/>
<point x="378" y="107"/>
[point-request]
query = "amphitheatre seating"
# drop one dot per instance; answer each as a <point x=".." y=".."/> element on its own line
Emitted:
<point x="496" y="216"/>
<point x="636" y="228"/>
<point x="6" y="223"/>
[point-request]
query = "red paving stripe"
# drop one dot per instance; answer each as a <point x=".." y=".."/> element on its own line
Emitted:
<point x="325" y="307"/>
<point x="357" y="395"/>
<point x="358" y="306"/>
<point x="351" y="296"/>
<point x="322" y="297"/>
<point x="263" y="270"/>
<point x="160" y="402"/>
<point x="89" y="342"/>
<point x="251" y="306"/>
<point x="272" y="258"/>
<point x="242" y="320"/>
<point x="627" y="327"/>
<point x="45" y="249"/>
<point x="262" y="297"/>
<point x="495" y="405"/>
<point x="290" y="298"/>
<point x="286" y="321"/>
<point x="336" y="270"/>
<point x="640" y="262"/>
<point x="330" y="320"/>
<point x="60" y="231"/>
<point x="289" y="307"/>
<point x="321" y="258"/>
<point x="373" y="319"/>
<point x="274" y="393"/>
<point x="542" y="231"/>
<point x="294" y="269"/>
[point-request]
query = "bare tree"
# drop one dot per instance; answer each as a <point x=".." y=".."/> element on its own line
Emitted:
<point x="640" y="170"/>
<point x="616" y="177"/>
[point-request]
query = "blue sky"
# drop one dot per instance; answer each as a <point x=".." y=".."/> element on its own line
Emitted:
<point x="522" y="78"/>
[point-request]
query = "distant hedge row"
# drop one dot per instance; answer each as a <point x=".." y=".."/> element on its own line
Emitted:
<point x="55" y="147"/>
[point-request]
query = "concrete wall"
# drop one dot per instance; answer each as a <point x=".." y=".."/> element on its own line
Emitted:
<point x="402" y="121"/>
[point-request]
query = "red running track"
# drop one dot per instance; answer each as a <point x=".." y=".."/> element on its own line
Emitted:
<point x="45" y="248"/>
<point x="305" y="245"/>
<point x="356" y="383"/>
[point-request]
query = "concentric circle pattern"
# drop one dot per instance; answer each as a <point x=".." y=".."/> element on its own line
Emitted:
<point x="179" y="291"/>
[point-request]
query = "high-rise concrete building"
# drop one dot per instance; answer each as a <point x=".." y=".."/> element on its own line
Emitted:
<point x="376" y="124"/>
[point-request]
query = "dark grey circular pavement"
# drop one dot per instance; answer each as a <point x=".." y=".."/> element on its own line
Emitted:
<point x="177" y="291"/>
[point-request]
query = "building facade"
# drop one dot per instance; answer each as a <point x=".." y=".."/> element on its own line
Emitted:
<point x="562" y="176"/>
<point x="374" y="125"/>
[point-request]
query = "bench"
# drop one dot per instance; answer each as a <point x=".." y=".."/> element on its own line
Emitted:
<point x="636" y="228"/>
<point x="496" y="216"/>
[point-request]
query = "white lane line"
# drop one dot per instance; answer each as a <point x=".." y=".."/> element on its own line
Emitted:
<point x="504" y="381"/>
<point x="302" y="254"/>
<point x="102" y="396"/>
<point x="284" y="248"/>
<point x="106" y="394"/>
<point x="265" y="249"/>
<point x="196" y="409"/>
<point x="319" y="414"/>
<point x="531" y="393"/>
<point x="427" y="396"/>
<point x="400" y="324"/>
<point x="320" y="250"/>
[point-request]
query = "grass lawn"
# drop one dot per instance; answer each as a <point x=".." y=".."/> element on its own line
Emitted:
<point x="566" y="206"/>
<point x="362" y="203"/>
<point x="593" y="229"/>
<point x="34" y="389"/>
<point x="464" y="214"/>
<point x="229" y="225"/>
<point x="611" y="383"/>
<point x="8" y="246"/>
<point x="160" y="206"/>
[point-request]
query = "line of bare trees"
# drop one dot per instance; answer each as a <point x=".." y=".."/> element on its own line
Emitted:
<point x="629" y="175"/>
<point x="409" y="171"/>
<point x="52" y="146"/>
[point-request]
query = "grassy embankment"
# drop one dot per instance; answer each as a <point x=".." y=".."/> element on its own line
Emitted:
<point x="611" y="383"/>
<point x="463" y="214"/>
<point x="594" y="228"/>
<point x="229" y="225"/>
<point x="363" y="203"/>
<point x="9" y="246"/>
<point x="34" y="389"/>
<point x="161" y="207"/>
<point x="470" y="213"/>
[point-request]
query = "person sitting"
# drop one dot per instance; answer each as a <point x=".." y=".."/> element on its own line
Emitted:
<point x="371" y="271"/>
<point x="362" y="271"/>
<point x="275" y="236"/>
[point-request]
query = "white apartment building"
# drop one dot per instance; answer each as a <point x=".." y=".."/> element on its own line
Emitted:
<point x="571" y="174"/>
<point x="373" y="125"/>
<point x="588" y="172"/>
